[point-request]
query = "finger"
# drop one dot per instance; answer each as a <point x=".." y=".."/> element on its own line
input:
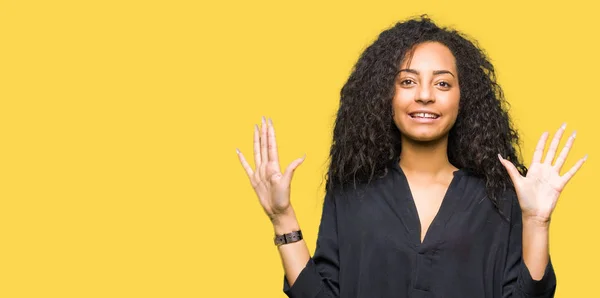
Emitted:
<point x="245" y="164"/>
<point x="539" y="149"/>
<point x="511" y="169"/>
<point x="554" y="144"/>
<point x="272" y="143"/>
<point x="256" y="147"/>
<point x="289" y="171"/>
<point x="562" y="157"/>
<point x="568" y="175"/>
<point x="263" y="148"/>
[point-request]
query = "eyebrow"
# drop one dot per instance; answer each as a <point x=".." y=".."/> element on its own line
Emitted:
<point x="435" y="72"/>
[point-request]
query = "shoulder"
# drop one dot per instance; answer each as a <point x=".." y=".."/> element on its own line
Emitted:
<point x="507" y="201"/>
<point x="357" y="188"/>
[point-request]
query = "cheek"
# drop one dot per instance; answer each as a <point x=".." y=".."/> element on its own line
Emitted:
<point x="449" y="102"/>
<point x="399" y="110"/>
<point x="454" y="104"/>
<point x="402" y="99"/>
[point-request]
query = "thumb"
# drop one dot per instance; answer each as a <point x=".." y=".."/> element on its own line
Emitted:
<point x="289" y="171"/>
<point x="511" y="169"/>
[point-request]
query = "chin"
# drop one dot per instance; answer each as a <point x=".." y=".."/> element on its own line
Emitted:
<point x="424" y="136"/>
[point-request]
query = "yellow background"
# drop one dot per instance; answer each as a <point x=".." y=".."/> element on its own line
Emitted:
<point x="119" y="122"/>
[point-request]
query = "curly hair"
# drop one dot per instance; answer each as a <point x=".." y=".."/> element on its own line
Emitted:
<point x="366" y="139"/>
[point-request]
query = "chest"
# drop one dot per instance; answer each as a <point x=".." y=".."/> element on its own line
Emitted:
<point x="421" y="220"/>
<point x="427" y="202"/>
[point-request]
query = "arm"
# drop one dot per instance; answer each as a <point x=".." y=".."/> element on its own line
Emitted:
<point x="317" y="276"/>
<point x="305" y="276"/>
<point x="528" y="271"/>
<point x="294" y="256"/>
<point x="535" y="247"/>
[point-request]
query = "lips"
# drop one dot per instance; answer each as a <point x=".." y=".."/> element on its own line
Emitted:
<point x="424" y="115"/>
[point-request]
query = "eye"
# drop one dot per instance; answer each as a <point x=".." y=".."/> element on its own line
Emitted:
<point x="444" y="84"/>
<point x="406" y="82"/>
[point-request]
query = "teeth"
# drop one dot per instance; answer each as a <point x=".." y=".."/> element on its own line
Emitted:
<point x="424" y="115"/>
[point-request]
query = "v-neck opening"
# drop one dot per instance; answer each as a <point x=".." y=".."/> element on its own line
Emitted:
<point x="442" y="211"/>
<point x="435" y="220"/>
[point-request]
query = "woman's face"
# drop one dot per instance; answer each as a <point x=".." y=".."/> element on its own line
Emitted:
<point x="425" y="102"/>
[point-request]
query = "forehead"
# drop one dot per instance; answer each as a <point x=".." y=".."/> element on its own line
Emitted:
<point x="430" y="56"/>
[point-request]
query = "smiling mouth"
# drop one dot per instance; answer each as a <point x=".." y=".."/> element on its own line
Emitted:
<point x="424" y="115"/>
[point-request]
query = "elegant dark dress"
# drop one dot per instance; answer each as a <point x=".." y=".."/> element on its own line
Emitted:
<point x="369" y="245"/>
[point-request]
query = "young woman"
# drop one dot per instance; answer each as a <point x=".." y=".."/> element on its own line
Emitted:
<point x="425" y="193"/>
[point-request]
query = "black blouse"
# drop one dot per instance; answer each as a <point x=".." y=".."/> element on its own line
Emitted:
<point x="369" y="245"/>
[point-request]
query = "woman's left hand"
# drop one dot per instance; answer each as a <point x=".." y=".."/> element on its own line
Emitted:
<point x="538" y="192"/>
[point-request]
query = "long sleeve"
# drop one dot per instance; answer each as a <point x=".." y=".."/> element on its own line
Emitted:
<point x="320" y="276"/>
<point x="518" y="281"/>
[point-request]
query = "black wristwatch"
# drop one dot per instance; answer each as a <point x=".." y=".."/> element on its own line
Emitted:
<point x="292" y="237"/>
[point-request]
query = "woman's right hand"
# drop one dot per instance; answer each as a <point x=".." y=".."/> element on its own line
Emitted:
<point x="271" y="186"/>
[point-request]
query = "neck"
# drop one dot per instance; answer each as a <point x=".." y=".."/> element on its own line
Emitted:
<point x="425" y="158"/>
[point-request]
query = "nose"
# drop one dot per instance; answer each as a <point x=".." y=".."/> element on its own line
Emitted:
<point x="424" y="94"/>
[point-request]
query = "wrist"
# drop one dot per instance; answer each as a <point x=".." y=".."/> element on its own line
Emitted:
<point x="536" y="223"/>
<point x="285" y="223"/>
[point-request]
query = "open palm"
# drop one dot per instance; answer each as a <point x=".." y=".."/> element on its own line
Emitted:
<point x="271" y="186"/>
<point x="539" y="190"/>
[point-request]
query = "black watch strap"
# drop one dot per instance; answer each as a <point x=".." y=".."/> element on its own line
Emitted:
<point x="292" y="237"/>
